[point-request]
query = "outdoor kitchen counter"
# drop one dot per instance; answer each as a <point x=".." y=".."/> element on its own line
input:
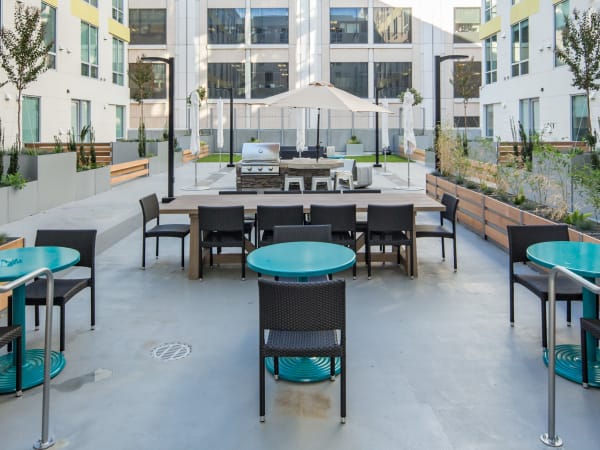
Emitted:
<point x="310" y="164"/>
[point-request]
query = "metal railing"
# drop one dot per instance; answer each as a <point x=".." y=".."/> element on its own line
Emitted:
<point x="550" y="438"/>
<point x="45" y="441"/>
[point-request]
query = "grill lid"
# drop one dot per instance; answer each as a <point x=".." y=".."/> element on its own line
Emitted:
<point x="260" y="152"/>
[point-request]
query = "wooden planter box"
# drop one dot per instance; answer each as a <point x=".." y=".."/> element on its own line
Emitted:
<point x="12" y="243"/>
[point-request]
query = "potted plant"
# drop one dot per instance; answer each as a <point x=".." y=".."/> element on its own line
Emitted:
<point x="354" y="146"/>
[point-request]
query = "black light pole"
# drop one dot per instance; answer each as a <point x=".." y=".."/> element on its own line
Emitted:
<point x="377" y="89"/>
<point x="171" y="165"/>
<point x="438" y="112"/>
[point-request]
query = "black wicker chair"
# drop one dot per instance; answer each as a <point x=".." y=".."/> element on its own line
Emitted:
<point x="268" y="216"/>
<point x="84" y="241"/>
<point x="302" y="319"/>
<point x="441" y="231"/>
<point x="591" y="326"/>
<point x="519" y="238"/>
<point x="390" y="225"/>
<point x="249" y="219"/>
<point x="342" y="219"/>
<point x="8" y="335"/>
<point x="221" y="226"/>
<point x="150" y="211"/>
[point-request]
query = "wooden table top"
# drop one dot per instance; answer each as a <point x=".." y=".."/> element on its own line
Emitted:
<point x="188" y="204"/>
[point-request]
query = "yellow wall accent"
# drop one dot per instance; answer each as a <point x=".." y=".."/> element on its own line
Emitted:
<point x="53" y="3"/>
<point x="490" y="27"/>
<point x="523" y="10"/>
<point x="85" y="12"/>
<point x="118" y="30"/>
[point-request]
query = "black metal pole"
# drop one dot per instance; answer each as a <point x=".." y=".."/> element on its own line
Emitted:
<point x="377" y="128"/>
<point x="230" y="127"/>
<point x="318" y="129"/>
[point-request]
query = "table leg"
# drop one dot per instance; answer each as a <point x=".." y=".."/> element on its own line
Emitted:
<point x="194" y="261"/>
<point x="589" y="311"/>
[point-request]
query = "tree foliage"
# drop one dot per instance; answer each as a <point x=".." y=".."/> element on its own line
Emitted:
<point x="466" y="84"/>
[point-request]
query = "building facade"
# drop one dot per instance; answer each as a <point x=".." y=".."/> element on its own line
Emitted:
<point x="86" y="80"/>
<point x="523" y="81"/>
<point x="263" y="47"/>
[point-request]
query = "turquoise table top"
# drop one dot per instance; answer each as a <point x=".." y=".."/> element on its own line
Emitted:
<point x="16" y="262"/>
<point x="301" y="259"/>
<point x="583" y="258"/>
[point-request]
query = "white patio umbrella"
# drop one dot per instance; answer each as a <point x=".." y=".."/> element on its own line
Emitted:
<point x="410" y="142"/>
<point x="385" y="136"/>
<point x="322" y="95"/>
<point x="195" y="123"/>
<point x="220" y="138"/>
<point x="300" y="130"/>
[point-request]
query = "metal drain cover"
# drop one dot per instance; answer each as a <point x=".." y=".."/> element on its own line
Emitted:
<point x="171" y="351"/>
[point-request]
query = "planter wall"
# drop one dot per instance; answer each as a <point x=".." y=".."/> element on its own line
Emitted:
<point x="22" y="202"/>
<point x="14" y="243"/>
<point x="355" y="149"/>
<point x="487" y="216"/>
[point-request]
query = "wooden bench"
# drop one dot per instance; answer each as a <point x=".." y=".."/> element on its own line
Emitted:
<point x="129" y="170"/>
<point x="187" y="155"/>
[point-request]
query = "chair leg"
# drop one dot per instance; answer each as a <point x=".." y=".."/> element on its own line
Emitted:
<point x="156" y="247"/>
<point x="19" y="368"/>
<point x="544" y="325"/>
<point x="62" y="328"/>
<point x="343" y="388"/>
<point x="568" y="313"/>
<point x="243" y="262"/>
<point x="584" y="360"/>
<point x="409" y="258"/>
<point x="37" y="317"/>
<point x="143" y="252"/>
<point x="454" y="249"/>
<point x="201" y="263"/>
<point x="276" y="367"/>
<point x="261" y="377"/>
<point x="368" y="260"/>
<point x="93" y="307"/>
<point x="443" y="249"/>
<point x="332" y="368"/>
<point x="511" y="301"/>
<point x="182" y="253"/>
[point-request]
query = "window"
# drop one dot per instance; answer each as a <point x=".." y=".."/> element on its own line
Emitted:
<point x="159" y="84"/>
<point x="520" y="48"/>
<point x="466" y="122"/>
<point x="92" y="2"/>
<point x="489" y="10"/>
<point x="148" y="26"/>
<point x="222" y="76"/>
<point x="352" y="77"/>
<point x="467" y="79"/>
<point x="117" y="10"/>
<point x="80" y="115"/>
<point x="392" y="25"/>
<point x="48" y="15"/>
<point x="488" y="112"/>
<point x="393" y="77"/>
<point x="269" y="79"/>
<point x="118" y="61"/>
<point x="348" y="26"/>
<point x="31" y="119"/>
<point x="120" y="122"/>
<point x="561" y="12"/>
<point x="89" y="50"/>
<point x="466" y="25"/>
<point x="529" y="115"/>
<point x="269" y="25"/>
<point x="491" y="59"/>
<point x="579" y="118"/>
<point x="226" y="26"/>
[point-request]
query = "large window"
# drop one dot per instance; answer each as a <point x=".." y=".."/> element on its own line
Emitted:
<point x="270" y="25"/>
<point x="561" y="13"/>
<point x="467" y="79"/>
<point x="222" y="76"/>
<point x="488" y="113"/>
<point x="148" y="26"/>
<point x="119" y="121"/>
<point x="466" y="122"/>
<point x="117" y="10"/>
<point x="520" y="48"/>
<point x="392" y="25"/>
<point x="348" y="26"/>
<point x="89" y="50"/>
<point x="466" y="25"/>
<point x="80" y="115"/>
<point x="118" y="61"/>
<point x="226" y="26"/>
<point x="31" y="119"/>
<point x="49" y="22"/>
<point x="269" y="79"/>
<point x="393" y="77"/>
<point x="159" y="84"/>
<point x="529" y="115"/>
<point x="92" y="2"/>
<point x="352" y="77"/>
<point x="489" y="10"/>
<point x="579" y="117"/>
<point x="491" y="59"/>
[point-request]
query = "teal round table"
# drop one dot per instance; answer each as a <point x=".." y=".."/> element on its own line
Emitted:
<point x="14" y="264"/>
<point x="301" y="260"/>
<point x="583" y="258"/>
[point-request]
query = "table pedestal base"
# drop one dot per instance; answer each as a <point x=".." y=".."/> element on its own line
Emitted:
<point x="33" y="369"/>
<point x="303" y="370"/>
<point x="568" y="364"/>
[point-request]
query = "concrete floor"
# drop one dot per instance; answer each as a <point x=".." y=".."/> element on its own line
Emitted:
<point x="432" y="362"/>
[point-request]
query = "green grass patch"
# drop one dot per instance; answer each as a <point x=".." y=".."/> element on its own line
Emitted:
<point x="224" y="158"/>
<point x="363" y="158"/>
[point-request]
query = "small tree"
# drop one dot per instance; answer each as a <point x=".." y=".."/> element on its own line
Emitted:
<point x="141" y="77"/>
<point x="581" y="53"/>
<point x="23" y="53"/>
<point x="466" y="84"/>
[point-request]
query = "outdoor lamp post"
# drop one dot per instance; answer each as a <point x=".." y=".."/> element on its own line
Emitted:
<point x="230" y="90"/>
<point x="377" y="89"/>
<point x="438" y="112"/>
<point x="171" y="167"/>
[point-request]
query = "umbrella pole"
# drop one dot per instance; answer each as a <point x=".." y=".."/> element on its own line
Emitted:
<point x="318" y="129"/>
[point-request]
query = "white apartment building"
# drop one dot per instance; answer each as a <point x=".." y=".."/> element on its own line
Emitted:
<point x="523" y="80"/>
<point x="264" y="47"/>
<point x="86" y="83"/>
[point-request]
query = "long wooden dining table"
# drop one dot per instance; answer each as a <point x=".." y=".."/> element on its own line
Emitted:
<point x="188" y="204"/>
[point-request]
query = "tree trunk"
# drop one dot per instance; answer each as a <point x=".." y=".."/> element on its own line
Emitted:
<point x="18" y="139"/>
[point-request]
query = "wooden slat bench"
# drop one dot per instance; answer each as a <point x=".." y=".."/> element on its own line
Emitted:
<point x="187" y="155"/>
<point x="129" y="170"/>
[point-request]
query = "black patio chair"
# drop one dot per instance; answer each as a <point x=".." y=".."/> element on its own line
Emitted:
<point x="591" y="326"/>
<point x="221" y="227"/>
<point x="390" y="225"/>
<point x="8" y="335"/>
<point x="442" y="231"/>
<point x="150" y="211"/>
<point x="268" y="216"/>
<point x="302" y="319"/>
<point x="519" y="238"/>
<point x="249" y="219"/>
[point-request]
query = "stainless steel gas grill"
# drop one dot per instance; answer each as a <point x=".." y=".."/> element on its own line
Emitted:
<point x="260" y="158"/>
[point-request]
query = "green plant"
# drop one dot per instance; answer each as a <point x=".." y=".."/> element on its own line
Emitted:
<point x="15" y="180"/>
<point x="466" y="82"/>
<point x="13" y="163"/>
<point x="418" y="98"/>
<point x="587" y="181"/>
<point x="57" y="144"/>
<point x="519" y="199"/>
<point x="3" y="238"/>
<point x="353" y="140"/>
<point x="71" y="143"/>
<point x="253" y="139"/>
<point x="579" y="220"/>
<point x="83" y="160"/>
